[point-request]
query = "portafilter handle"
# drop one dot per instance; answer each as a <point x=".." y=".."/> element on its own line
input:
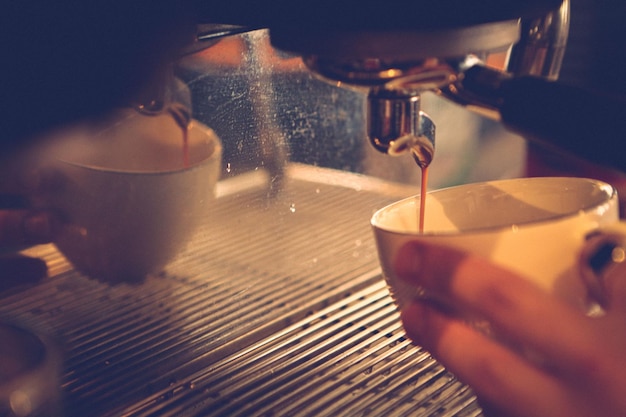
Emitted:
<point x="588" y="124"/>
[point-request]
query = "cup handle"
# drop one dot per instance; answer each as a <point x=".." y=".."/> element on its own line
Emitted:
<point x="600" y="259"/>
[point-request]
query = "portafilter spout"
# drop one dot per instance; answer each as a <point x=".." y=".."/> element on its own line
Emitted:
<point x="397" y="126"/>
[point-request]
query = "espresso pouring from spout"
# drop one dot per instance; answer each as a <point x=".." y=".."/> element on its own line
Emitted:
<point x="397" y="126"/>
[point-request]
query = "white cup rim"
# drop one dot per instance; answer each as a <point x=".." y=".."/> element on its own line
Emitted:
<point x="195" y="125"/>
<point x="611" y="192"/>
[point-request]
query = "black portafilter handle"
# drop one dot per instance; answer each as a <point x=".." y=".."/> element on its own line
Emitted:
<point x="587" y="124"/>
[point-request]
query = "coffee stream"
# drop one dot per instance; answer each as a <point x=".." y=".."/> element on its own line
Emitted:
<point x="182" y="117"/>
<point x="423" y="152"/>
<point x="422" y="208"/>
<point x="186" y="146"/>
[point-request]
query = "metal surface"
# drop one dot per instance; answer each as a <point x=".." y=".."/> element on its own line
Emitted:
<point x="412" y="62"/>
<point x="277" y="308"/>
<point x="397" y="126"/>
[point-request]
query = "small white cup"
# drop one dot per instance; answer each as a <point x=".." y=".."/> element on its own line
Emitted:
<point x="533" y="226"/>
<point x="129" y="201"/>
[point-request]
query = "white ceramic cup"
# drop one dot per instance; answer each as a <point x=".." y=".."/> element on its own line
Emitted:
<point x="129" y="201"/>
<point x="536" y="227"/>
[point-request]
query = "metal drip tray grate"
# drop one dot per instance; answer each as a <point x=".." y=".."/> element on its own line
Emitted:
<point x="276" y="308"/>
<point x="350" y="358"/>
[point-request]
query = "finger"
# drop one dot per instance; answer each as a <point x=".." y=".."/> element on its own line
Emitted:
<point x="20" y="270"/>
<point x="517" y="310"/>
<point x="603" y="267"/>
<point x="615" y="283"/>
<point x="613" y="279"/>
<point x="21" y="227"/>
<point x="29" y="180"/>
<point x="496" y="374"/>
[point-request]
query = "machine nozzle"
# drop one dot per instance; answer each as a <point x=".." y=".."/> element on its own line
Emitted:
<point x="396" y="125"/>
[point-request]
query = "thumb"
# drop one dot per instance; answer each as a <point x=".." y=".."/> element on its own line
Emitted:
<point x="428" y="265"/>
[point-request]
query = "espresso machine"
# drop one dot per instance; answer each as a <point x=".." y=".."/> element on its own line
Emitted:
<point x="499" y="59"/>
<point x="277" y="306"/>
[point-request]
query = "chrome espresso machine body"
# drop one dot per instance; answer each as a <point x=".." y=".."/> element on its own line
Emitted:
<point x="395" y="59"/>
<point x="498" y="59"/>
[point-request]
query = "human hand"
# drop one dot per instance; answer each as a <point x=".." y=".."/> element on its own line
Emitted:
<point x="21" y="227"/>
<point x="570" y="365"/>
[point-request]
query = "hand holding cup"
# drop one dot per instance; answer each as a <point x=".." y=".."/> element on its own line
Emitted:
<point x="130" y="200"/>
<point x="496" y="290"/>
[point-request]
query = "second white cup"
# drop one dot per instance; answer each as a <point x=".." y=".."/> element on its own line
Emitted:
<point x="129" y="199"/>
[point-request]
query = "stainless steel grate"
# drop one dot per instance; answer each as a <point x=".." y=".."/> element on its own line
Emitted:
<point x="350" y="358"/>
<point x="276" y="308"/>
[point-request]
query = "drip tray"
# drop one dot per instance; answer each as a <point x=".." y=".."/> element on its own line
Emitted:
<point x="277" y="307"/>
